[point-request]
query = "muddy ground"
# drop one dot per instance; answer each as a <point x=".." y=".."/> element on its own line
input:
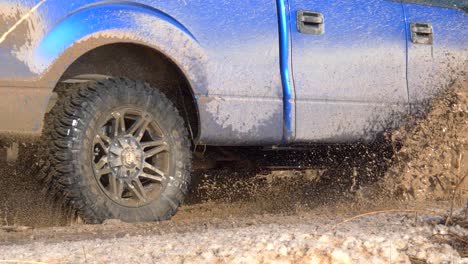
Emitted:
<point x="412" y="180"/>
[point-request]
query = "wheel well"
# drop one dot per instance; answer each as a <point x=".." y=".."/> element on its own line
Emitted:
<point x="139" y="62"/>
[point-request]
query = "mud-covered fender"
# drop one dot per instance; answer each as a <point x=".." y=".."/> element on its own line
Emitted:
<point x="96" y="25"/>
<point x="45" y="45"/>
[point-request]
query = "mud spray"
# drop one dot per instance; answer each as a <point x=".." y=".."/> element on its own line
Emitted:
<point x="432" y="162"/>
<point x="426" y="159"/>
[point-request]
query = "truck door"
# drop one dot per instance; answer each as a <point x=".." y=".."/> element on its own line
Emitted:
<point x="349" y="67"/>
<point x="437" y="46"/>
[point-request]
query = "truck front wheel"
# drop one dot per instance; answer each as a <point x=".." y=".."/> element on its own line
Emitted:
<point x="118" y="149"/>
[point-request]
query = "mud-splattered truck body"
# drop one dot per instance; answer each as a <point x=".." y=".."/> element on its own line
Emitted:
<point x="233" y="73"/>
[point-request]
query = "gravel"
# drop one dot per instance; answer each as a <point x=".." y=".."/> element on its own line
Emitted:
<point x="380" y="238"/>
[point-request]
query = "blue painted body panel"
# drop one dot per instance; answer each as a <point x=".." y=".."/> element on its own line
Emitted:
<point x="229" y="63"/>
<point x="255" y="79"/>
<point x="433" y="67"/>
<point x="71" y="29"/>
<point x="353" y="76"/>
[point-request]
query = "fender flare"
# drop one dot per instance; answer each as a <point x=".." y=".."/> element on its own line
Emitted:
<point x="101" y="24"/>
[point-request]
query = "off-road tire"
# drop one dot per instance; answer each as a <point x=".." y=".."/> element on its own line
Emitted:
<point x="67" y="163"/>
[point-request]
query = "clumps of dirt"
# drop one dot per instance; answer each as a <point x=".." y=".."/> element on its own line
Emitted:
<point x="324" y="175"/>
<point x="23" y="201"/>
<point x="425" y="159"/>
<point x="432" y="162"/>
<point x="263" y="191"/>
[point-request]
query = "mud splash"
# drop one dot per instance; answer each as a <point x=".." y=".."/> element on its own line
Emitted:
<point x="326" y="176"/>
<point x="23" y="201"/>
<point x="425" y="159"/>
<point x="432" y="162"/>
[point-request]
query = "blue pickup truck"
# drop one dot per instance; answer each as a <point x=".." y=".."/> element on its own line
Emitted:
<point x="122" y="92"/>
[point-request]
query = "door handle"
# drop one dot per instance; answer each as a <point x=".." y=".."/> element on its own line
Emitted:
<point x="309" y="22"/>
<point x="422" y="33"/>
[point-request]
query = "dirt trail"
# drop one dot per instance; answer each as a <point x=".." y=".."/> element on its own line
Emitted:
<point x="221" y="236"/>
